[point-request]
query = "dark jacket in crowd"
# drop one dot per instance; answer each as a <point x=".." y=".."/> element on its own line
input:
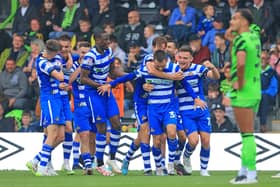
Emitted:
<point x="21" y="23"/>
<point x="222" y="11"/>
<point x="132" y="33"/>
<point x="98" y="20"/>
<point x="53" y="17"/>
<point x="167" y="4"/>
<point x="263" y="17"/>
<point x="276" y="12"/>
<point x="14" y="84"/>
<point x="7" y="124"/>
<point x="5" y="40"/>
<point x="227" y="126"/>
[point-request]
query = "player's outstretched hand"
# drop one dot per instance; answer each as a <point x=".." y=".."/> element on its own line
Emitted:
<point x="151" y="69"/>
<point x="209" y="65"/>
<point x="177" y="76"/>
<point x="238" y="86"/>
<point x="148" y="87"/>
<point x="202" y="104"/>
<point x="64" y="86"/>
<point x="103" y="89"/>
<point x="229" y="34"/>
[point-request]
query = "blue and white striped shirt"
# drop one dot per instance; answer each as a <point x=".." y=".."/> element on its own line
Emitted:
<point x="98" y="64"/>
<point x="58" y="59"/>
<point x="140" y="95"/>
<point x="48" y="85"/>
<point x="193" y="75"/>
<point x="79" y="90"/>
<point x="163" y="91"/>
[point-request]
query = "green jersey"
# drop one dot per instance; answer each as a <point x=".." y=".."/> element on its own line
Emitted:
<point x="250" y="43"/>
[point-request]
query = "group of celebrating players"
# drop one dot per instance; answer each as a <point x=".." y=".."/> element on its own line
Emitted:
<point x="169" y="105"/>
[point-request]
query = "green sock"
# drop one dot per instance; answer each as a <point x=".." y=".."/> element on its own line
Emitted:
<point x="249" y="151"/>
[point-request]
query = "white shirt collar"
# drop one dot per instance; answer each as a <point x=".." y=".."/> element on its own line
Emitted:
<point x="259" y="6"/>
<point x="24" y="10"/>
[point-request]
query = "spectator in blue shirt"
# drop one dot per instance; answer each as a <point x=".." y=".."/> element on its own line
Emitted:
<point x="221" y="55"/>
<point x="183" y="15"/>
<point x="150" y="35"/>
<point x="182" y="22"/>
<point x="205" y="23"/>
<point x="26" y="125"/>
<point x="269" y="85"/>
<point x="209" y="39"/>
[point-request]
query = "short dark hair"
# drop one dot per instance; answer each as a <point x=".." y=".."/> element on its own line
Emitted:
<point x="11" y="59"/>
<point x="220" y="35"/>
<point x="99" y="35"/>
<point x="186" y="48"/>
<point x="247" y="14"/>
<point x="83" y="44"/>
<point x="53" y="45"/>
<point x="168" y="37"/>
<point x="206" y="6"/>
<point x="109" y="23"/>
<point x="26" y="113"/>
<point x="64" y="37"/>
<point x="213" y="86"/>
<point x="85" y="19"/>
<point x="160" y="55"/>
<point x="174" y="42"/>
<point x="194" y="37"/>
<point x="113" y="38"/>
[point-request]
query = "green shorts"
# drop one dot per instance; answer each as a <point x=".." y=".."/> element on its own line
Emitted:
<point x="246" y="103"/>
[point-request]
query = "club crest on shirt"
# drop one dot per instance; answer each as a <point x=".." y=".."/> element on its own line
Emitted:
<point x="98" y="118"/>
<point x="144" y="118"/>
<point x="87" y="61"/>
<point x="189" y="73"/>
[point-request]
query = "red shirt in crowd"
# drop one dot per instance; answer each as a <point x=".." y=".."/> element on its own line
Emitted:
<point x="202" y="55"/>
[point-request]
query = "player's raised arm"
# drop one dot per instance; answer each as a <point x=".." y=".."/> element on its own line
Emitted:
<point x="213" y="72"/>
<point x="57" y="74"/>
<point x="116" y="71"/>
<point x="171" y="76"/>
<point x="87" y="65"/>
<point x="86" y="80"/>
<point x="69" y="62"/>
<point x="55" y="70"/>
<point x="106" y="87"/>
<point x="83" y="48"/>
<point x="74" y="75"/>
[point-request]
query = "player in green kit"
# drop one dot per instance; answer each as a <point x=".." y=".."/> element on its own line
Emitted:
<point x="246" y="93"/>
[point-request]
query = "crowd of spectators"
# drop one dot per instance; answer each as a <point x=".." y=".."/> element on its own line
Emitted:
<point x="26" y="24"/>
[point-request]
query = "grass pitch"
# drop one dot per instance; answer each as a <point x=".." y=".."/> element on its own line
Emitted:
<point x="133" y="179"/>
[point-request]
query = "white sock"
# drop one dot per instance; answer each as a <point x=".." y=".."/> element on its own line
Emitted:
<point x="252" y="174"/>
<point x="66" y="161"/>
<point x="242" y="171"/>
